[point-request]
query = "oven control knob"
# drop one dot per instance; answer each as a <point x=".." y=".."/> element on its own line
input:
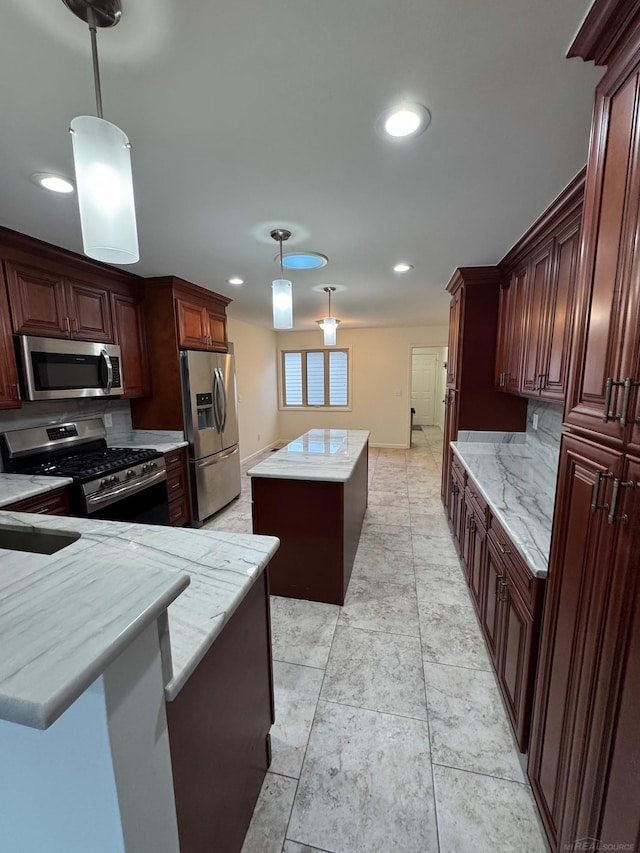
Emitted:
<point x="104" y="483"/>
<point x="113" y="478"/>
<point x="145" y="468"/>
<point x="153" y="465"/>
<point x="131" y="473"/>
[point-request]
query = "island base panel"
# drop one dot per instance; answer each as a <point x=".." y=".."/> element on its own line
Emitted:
<point x="219" y="731"/>
<point x="356" y="493"/>
<point x="307" y="517"/>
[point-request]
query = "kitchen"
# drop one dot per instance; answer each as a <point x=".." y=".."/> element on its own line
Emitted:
<point x="264" y="421"/>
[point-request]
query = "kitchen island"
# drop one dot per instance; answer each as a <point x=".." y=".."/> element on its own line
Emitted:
<point x="144" y="654"/>
<point x="312" y="495"/>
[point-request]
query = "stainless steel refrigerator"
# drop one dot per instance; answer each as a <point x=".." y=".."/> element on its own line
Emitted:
<point x="211" y="428"/>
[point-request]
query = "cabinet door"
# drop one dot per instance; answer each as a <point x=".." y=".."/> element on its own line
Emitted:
<point x="128" y="322"/>
<point x="38" y="302"/>
<point x="517" y="300"/>
<point x="192" y="325"/>
<point x="539" y="283"/>
<point x="580" y="568"/>
<point x="477" y="570"/>
<point x="606" y="340"/>
<point x="504" y="331"/>
<point x="450" y="434"/>
<point x="453" y="352"/>
<point x="217" y="325"/>
<point x="9" y="389"/>
<point x="554" y="364"/>
<point x="468" y="537"/>
<point x="491" y="603"/>
<point x="90" y="312"/>
<point x="516" y="663"/>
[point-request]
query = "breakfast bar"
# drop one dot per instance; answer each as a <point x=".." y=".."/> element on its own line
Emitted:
<point x="312" y="495"/>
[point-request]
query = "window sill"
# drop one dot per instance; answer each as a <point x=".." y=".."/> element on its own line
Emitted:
<point x="315" y="408"/>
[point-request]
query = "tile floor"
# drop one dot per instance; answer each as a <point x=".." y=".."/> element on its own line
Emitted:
<point x="390" y="733"/>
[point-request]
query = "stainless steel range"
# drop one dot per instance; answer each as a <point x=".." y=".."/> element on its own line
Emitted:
<point x="117" y="483"/>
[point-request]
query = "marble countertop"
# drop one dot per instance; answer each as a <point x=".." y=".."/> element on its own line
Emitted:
<point x="520" y="491"/>
<point x="66" y="616"/>
<point x="19" y="487"/>
<point x="164" y="442"/>
<point x="320" y="454"/>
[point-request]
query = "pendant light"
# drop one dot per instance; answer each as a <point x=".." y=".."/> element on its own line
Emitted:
<point x="102" y="158"/>
<point x="281" y="289"/>
<point x="329" y="325"/>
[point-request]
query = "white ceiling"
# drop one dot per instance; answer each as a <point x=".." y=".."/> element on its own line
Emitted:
<point x="246" y="116"/>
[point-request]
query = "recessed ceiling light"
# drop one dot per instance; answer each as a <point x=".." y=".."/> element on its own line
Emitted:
<point x="235" y="280"/>
<point x="54" y="183"/>
<point x="303" y="260"/>
<point x="402" y="266"/>
<point x="408" y="120"/>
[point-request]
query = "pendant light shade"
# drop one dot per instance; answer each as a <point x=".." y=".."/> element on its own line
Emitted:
<point x="282" y="304"/>
<point x="282" y="290"/>
<point x="102" y="158"/>
<point x="330" y="327"/>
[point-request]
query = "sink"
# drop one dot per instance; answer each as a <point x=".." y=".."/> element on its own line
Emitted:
<point x="36" y="541"/>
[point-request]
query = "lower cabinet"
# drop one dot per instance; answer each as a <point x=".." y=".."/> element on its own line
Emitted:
<point x="56" y="502"/>
<point x="178" y="488"/>
<point x="219" y="731"/>
<point x="507" y="597"/>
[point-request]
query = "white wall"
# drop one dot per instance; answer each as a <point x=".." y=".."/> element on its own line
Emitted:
<point x="256" y="375"/>
<point x="381" y="381"/>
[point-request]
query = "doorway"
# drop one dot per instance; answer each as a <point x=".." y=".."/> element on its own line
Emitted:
<point x="425" y="366"/>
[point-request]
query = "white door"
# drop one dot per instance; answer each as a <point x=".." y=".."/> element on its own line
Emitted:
<point x="424" y="367"/>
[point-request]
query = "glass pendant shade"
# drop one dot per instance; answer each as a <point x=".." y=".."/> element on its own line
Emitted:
<point x="282" y="304"/>
<point x="102" y="158"/>
<point x="329" y="327"/>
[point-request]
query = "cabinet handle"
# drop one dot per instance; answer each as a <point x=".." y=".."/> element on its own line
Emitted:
<point x="174" y="486"/>
<point x="626" y="384"/>
<point x="541" y="377"/>
<point x="503" y="550"/>
<point x="612" y="517"/>
<point x="600" y="475"/>
<point x="471" y="523"/>
<point x="502" y="594"/>
<point x="67" y="325"/>
<point x="498" y="582"/>
<point x="75" y="324"/>
<point x="42" y="512"/>
<point x="501" y="379"/>
<point x="17" y="387"/>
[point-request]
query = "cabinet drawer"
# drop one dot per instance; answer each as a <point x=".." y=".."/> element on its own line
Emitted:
<point x="458" y="469"/>
<point x="176" y="483"/>
<point x="477" y="501"/>
<point x="57" y="502"/>
<point x="179" y="512"/>
<point x="175" y="459"/>
<point x="524" y="581"/>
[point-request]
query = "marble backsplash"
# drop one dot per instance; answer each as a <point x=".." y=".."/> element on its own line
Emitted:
<point x="543" y="442"/>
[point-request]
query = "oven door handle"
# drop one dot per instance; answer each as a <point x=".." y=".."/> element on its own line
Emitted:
<point x="100" y="499"/>
<point x="107" y="362"/>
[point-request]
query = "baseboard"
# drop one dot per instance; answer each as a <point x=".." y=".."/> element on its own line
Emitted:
<point x="274" y="444"/>
<point x="390" y="446"/>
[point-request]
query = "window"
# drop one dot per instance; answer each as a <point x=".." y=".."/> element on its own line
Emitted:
<point x="312" y="378"/>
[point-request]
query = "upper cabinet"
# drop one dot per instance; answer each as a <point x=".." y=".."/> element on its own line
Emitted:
<point x="537" y="301"/>
<point x="603" y="395"/>
<point x="9" y="388"/>
<point x="53" y="305"/>
<point x="56" y="294"/>
<point x="202" y="324"/>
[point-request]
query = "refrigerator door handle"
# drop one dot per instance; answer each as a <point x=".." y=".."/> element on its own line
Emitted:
<point x="216" y="411"/>
<point x="223" y="394"/>
<point x="218" y="457"/>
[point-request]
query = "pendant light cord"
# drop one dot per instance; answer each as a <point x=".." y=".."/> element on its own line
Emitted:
<point x="91" y="20"/>
<point x="329" y="303"/>
<point x="281" y="267"/>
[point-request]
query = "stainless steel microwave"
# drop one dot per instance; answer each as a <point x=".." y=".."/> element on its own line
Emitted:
<point x="54" y="369"/>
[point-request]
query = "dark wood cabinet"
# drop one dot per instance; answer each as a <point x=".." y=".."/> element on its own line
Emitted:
<point x="607" y="346"/>
<point x="178" y="315"/>
<point x="584" y="757"/>
<point x="219" y="731"/>
<point x="473" y="403"/>
<point x="55" y="502"/>
<point x="474" y="544"/>
<point x="490" y="610"/>
<point x="201" y="327"/>
<point x="537" y="301"/>
<point x="178" y="487"/>
<point x="9" y="388"/>
<point x="455" y="509"/>
<point x="46" y="303"/>
<point x="129" y="333"/>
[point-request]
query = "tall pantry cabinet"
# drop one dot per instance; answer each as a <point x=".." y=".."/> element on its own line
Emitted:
<point x="585" y="743"/>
